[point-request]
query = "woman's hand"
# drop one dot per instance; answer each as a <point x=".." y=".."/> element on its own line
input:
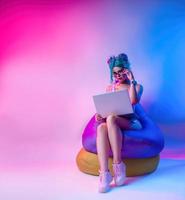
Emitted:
<point x="129" y="74"/>
<point x="99" y="118"/>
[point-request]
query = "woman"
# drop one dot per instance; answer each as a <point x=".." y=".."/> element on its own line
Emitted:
<point x="109" y="130"/>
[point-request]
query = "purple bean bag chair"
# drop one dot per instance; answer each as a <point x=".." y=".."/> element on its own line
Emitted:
<point x="143" y="143"/>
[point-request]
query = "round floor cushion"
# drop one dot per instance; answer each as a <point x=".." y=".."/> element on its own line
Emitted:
<point x="87" y="162"/>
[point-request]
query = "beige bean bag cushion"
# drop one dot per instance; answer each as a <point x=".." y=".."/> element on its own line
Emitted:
<point x="88" y="163"/>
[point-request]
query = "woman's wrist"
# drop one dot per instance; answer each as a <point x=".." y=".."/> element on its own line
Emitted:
<point x="133" y="81"/>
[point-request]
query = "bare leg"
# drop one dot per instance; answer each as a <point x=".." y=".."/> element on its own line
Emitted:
<point x="114" y="125"/>
<point x="103" y="146"/>
<point x="115" y="138"/>
<point x="109" y="134"/>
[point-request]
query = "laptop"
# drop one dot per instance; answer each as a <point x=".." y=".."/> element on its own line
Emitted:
<point x="117" y="102"/>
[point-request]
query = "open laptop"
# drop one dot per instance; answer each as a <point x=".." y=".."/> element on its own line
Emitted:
<point x="117" y="102"/>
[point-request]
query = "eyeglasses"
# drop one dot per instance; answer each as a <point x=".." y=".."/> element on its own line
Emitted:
<point x="120" y="72"/>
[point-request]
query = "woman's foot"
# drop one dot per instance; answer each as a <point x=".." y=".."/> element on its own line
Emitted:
<point x="104" y="181"/>
<point x="119" y="173"/>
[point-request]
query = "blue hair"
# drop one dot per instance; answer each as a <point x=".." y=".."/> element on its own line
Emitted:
<point x="118" y="61"/>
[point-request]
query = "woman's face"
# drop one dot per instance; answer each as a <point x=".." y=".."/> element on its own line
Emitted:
<point x="119" y="74"/>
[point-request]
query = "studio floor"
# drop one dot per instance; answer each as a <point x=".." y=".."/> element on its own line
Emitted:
<point x="63" y="181"/>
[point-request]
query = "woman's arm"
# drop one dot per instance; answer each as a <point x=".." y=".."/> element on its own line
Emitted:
<point x="135" y="92"/>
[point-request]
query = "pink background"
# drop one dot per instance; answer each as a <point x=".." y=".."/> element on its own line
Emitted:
<point x="53" y="59"/>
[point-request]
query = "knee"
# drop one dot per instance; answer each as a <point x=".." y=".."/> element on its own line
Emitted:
<point x="111" y="119"/>
<point x="102" y="127"/>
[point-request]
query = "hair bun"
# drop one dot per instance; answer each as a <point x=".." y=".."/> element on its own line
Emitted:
<point x="123" y="56"/>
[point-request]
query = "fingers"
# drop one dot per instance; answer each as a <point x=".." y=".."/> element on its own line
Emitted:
<point x="98" y="117"/>
<point x="99" y="120"/>
<point x="127" y="71"/>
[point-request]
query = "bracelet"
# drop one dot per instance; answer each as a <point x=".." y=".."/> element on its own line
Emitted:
<point x="133" y="82"/>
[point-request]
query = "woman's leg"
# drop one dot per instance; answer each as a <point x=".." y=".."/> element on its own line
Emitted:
<point x="114" y="125"/>
<point x="115" y="138"/>
<point x="103" y="146"/>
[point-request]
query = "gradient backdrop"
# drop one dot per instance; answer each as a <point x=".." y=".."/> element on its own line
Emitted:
<point x="53" y="59"/>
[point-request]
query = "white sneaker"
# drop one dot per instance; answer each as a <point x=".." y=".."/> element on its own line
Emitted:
<point x="119" y="173"/>
<point x="104" y="181"/>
